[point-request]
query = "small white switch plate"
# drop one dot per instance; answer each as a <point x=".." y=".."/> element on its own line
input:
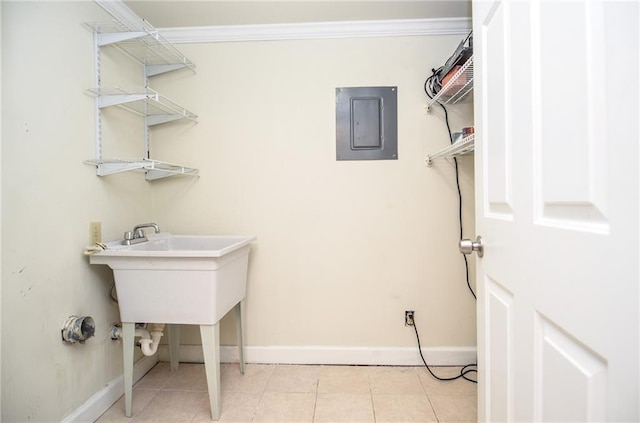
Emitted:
<point x="95" y="232"/>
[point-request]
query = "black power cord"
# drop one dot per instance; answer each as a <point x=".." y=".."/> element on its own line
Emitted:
<point x="430" y="85"/>
<point x="463" y="372"/>
<point x="469" y="368"/>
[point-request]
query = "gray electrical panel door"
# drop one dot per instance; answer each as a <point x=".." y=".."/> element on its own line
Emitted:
<point x="367" y="123"/>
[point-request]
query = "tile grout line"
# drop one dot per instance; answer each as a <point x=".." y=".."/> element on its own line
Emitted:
<point x="135" y="416"/>
<point x="315" y="403"/>
<point x="264" y="389"/>
<point x="433" y="409"/>
<point x="373" y="408"/>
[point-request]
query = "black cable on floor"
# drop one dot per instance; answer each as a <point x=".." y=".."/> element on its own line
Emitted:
<point x="463" y="372"/>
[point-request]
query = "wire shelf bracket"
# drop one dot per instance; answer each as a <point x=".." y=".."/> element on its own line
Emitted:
<point x="464" y="146"/>
<point x="155" y="169"/>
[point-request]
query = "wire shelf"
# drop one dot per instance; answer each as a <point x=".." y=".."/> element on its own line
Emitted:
<point x="155" y="169"/>
<point x="143" y="101"/>
<point x="141" y="41"/>
<point x="457" y="88"/>
<point x="464" y="146"/>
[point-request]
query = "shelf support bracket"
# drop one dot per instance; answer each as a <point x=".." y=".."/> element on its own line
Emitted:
<point x="153" y="70"/>
<point x="118" y="99"/>
<point x="464" y="146"/>
<point x="108" y="38"/>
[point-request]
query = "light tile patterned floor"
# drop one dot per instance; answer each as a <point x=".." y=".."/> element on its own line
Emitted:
<point x="291" y="393"/>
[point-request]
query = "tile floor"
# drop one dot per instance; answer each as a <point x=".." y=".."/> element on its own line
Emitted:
<point x="292" y="393"/>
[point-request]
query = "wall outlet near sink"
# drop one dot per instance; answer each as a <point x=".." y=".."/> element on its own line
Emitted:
<point x="95" y="232"/>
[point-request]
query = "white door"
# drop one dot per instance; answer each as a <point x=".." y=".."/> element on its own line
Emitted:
<point x="557" y="122"/>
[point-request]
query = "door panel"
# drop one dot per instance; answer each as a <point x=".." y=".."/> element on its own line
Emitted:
<point x="571" y="75"/>
<point x="498" y="169"/>
<point x="557" y="187"/>
<point x="500" y="324"/>
<point x="571" y="378"/>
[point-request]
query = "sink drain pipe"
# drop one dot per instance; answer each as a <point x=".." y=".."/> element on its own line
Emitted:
<point x="149" y="342"/>
<point x="78" y="329"/>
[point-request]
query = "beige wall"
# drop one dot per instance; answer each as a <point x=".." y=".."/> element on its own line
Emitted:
<point x="344" y="247"/>
<point x="48" y="199"/>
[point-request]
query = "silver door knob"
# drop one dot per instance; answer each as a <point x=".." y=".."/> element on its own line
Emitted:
<point x="468" y="246"/>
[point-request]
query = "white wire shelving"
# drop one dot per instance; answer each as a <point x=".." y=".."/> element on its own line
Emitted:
<point x="457" y="88"/>
<point x="144" y="102"/>
<point x="142" y="42"/>
<point x="154" y="169"/>
<point x="464" y="146"/>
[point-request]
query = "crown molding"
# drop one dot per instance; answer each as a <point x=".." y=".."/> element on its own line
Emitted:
<point x="317" y="30"/>
<point x="297" y="31"/>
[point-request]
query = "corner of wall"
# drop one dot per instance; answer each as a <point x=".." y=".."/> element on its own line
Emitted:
<point x="1" y="5"/>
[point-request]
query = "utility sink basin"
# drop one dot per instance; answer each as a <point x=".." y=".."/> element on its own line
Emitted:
<point x="180" y="279"/>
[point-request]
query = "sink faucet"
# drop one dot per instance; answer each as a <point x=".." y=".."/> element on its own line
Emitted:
<point x="137" y="235"/>
<point x="145" y="225"/>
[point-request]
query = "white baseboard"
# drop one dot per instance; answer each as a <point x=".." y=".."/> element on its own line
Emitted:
<point x="100" y="402"/>
<point x="380" y="356"/>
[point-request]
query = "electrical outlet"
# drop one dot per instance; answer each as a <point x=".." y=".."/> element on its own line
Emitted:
<point x="95" y="232"/>
<point x="408" y="317"/>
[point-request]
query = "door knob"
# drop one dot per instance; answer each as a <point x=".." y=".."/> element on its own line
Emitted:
<point x="468" y="246"/>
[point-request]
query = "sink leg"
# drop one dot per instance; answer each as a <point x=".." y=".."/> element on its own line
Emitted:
<point x="238" y="311"/>
<point x="128" y="335"/>
<point x="211" y="347"/>
<point x="174" y="346"/>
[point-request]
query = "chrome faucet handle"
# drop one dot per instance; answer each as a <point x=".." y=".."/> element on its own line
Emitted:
<point x="139" y="233"/>
<point x="128" y="235"/>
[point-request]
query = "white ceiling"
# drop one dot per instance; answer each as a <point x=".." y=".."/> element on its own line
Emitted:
<point x="164" y="14"/>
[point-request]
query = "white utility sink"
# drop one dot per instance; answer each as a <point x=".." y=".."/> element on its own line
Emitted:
<point x="166" y="245"/>
<point x="179" y="279"/>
